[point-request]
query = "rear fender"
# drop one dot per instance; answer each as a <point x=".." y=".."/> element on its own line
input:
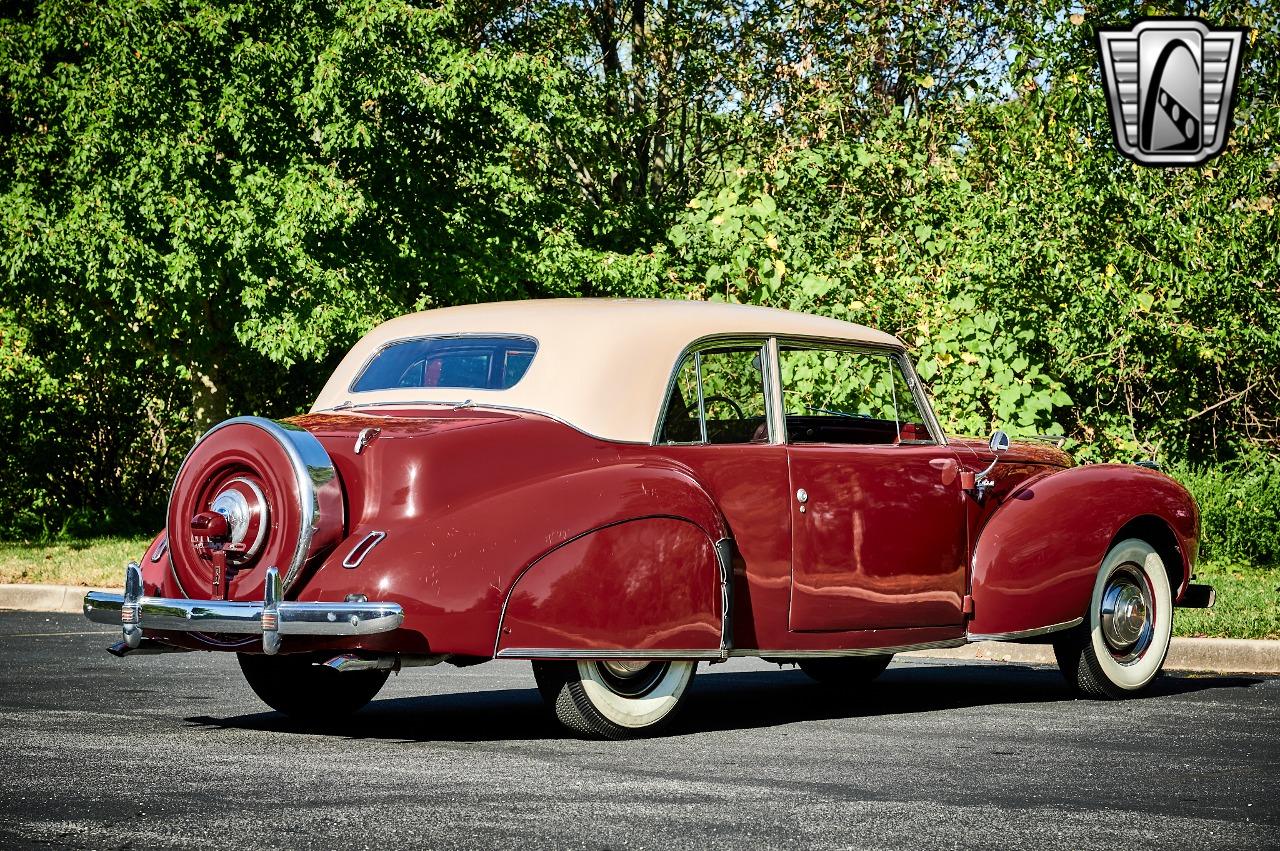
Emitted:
<point x="651" y="584"/>
<point x="1037" y="557"/>
<point x="453" y="569"/>
<point x="157" y="572"/>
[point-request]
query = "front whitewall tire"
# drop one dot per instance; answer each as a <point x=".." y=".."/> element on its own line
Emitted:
<point x="1136" y="673"/>
<point x="1123" y="643"/>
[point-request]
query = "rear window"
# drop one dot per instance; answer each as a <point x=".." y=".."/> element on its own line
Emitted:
<point x="478" y="363"/>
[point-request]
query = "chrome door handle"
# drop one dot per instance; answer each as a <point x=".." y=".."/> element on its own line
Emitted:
<point x="802" y="496"/>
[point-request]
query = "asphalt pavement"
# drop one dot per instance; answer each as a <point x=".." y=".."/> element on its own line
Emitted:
<point x="175" y="751"/>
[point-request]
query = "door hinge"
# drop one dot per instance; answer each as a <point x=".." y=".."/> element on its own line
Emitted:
<point x="966" y="607"/>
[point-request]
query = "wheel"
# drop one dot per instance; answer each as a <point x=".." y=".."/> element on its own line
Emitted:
<point x="1122" y="645"/>
<point x="307" y="692"/>
<point x="847" y="671"/>
<point x="614" y="699"/>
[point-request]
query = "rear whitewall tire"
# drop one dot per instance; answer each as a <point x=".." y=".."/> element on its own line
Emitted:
<point x="585" y="700"/>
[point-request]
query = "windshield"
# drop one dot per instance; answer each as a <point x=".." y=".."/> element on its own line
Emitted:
<point x="480" y="363"/>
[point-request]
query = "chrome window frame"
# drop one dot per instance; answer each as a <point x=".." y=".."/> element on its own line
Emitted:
<point x="939" y="438"/>
<point x="462" y="335"/>
<point x="763" y="344"/>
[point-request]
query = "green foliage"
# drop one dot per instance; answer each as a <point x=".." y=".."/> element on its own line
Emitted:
<point x="1239" y="508"/>
<point x="205" y="202"/>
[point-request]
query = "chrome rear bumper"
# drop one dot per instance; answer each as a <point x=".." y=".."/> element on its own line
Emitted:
<point x="272" y="618"/>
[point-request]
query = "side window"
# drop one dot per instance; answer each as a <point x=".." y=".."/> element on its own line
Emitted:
<point x="848" y="396"/>
<point x="730" y="396"/>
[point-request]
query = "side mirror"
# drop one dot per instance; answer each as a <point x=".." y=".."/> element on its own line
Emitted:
<point x="999" y="442"/>
<point x="982" y="482"/>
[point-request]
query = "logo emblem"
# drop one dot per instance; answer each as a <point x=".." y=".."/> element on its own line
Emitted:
<point x="1170" y="86"/>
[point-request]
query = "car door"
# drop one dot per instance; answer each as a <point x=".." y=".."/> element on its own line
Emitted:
<point x="879" y="536"/>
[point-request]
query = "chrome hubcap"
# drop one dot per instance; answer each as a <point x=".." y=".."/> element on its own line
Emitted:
<point x="1127" y="613"/>
<point x="245" y="507"/>
<point x="631" y="679"/>
<point x="625" y="669"/>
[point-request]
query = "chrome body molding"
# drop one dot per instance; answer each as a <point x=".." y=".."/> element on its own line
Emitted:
<point x="1026" y="633"/>
<point x="638" y="655"/>
<point x="362" y="549"/>
<point x="180" y="615"/>
<point x="856" y="651"/>
<point x="712" y="655"/>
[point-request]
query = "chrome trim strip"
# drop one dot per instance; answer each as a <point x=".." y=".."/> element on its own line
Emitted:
<point x="859" y="651"/>
<point x="724" y="555"/>
<point x="1025" y="633"/>
<point x="922" y="399"/>
<point x="757" y="341"/>
<point x="333" y="619"/>
<point x="349" y="408"/>
<point x="896" y="354"/>
<point x="711" y="655"/>
<point x="161" y="550"/>
<point x="702" y="398"/>
<point x="638" y="655"/>
<point x="360" y="551"/>
<point x="773" y="391"/>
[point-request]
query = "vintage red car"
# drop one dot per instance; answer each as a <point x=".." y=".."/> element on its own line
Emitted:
<point x="618" y="490"/>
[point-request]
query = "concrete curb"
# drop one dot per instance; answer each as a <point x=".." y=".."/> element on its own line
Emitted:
<point x="46" y="598"/>
<point x="1207" y="655"/>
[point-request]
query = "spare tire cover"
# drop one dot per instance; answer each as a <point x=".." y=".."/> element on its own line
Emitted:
<point x="280" y="493"/>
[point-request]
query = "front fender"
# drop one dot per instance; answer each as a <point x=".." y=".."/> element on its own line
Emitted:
<point x="1036" y="558"/>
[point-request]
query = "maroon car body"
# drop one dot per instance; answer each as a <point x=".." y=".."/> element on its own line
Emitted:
<point x="485" y="528"/>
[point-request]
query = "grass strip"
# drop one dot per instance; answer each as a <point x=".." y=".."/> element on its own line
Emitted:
<point x="96" y="562"/>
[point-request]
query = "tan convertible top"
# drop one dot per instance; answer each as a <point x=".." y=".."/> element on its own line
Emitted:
<point x="602" y="364"/>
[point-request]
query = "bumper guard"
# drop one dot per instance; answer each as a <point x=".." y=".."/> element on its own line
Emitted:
<point x="272" y="618"/>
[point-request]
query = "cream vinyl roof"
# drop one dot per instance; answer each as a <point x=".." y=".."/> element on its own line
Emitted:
<point x="602" y="365"/>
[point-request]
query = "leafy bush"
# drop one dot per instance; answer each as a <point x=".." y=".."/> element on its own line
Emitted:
<point x="1239" y="508"/>
<point x="205" y="203"/>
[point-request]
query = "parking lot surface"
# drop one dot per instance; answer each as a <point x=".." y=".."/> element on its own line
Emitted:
<point x="176" y="751"/>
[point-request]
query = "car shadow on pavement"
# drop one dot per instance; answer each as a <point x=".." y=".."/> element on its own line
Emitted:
<point x="732" y="700"/>
<point x="788" y="695"/>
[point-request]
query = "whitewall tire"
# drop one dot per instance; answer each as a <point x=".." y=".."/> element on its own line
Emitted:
<point x="1121" y="646"/>
<point x="614" y="699"/>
